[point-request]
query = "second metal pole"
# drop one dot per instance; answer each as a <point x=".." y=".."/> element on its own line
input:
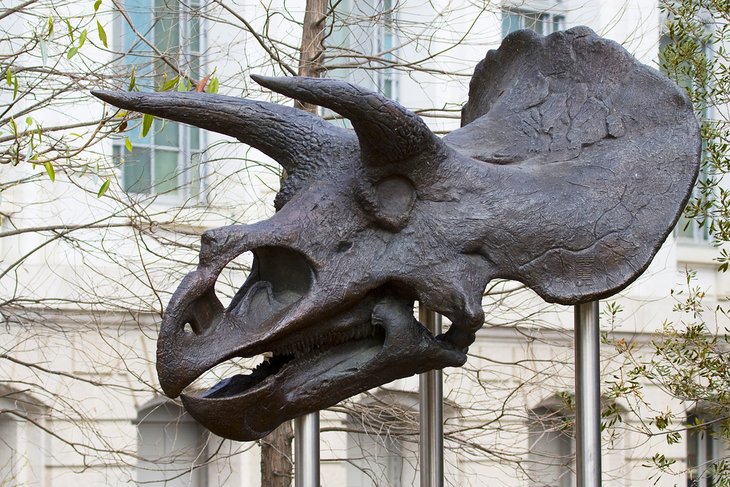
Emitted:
<point x="306" y="450"/>
<point x="431" y="413"/>
<point x="587" y="395"/>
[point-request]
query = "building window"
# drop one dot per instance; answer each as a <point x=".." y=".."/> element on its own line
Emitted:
<point x="9" y="454"/>
<point x="705" y="449"/>
<point x="363" y="43"/>
<point x="380" y="444"/>
<point x="551" y="455"/>
<point x="544" y="23"/>
<point x="387" y="45"/>
<point x="167" y="161"/>
<point x="688" y="230"/>
<point x="22" y="443"/>
<point x="378" y="460"/>
<point x="172" y="447"/>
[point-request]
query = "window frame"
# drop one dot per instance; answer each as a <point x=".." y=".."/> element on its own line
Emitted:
<point x="549" y="20"/>
<point x="24" y="444"/>
<point x="688" y="231"/>
<point x="162" y="420"/>
<point x="370" y="30"/>
<point x="551" y="445"/>
<point x="380" y="450"/>
<point x="190" y="149"/>
<point x="387" y="46"/>
<point x="705" y="447"/>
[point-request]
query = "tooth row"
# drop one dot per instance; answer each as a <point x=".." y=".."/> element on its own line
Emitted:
<point x="325" y="340"/>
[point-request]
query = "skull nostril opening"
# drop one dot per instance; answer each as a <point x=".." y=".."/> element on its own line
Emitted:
<point x="202" y="313"/>
<point x="228" y="283"/>
<point x="272" y="277"/>
<point x="289" y="272"/>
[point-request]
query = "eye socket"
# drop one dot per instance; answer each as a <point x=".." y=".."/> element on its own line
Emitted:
<point x="394" y="199"/>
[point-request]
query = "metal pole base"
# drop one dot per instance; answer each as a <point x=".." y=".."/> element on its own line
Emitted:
<point x="431" y="413"/>
<point x="306" y="450"/>
<point x="587" y="395"/>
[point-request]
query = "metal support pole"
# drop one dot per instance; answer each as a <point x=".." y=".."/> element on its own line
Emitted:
<point x="431" y="412"/>
<point x="588" y="395"/>
<point x="306" y="454"/>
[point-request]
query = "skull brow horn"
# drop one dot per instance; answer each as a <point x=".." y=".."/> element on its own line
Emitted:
<point x="292" y="137"/>
<point x="387" y="131"/>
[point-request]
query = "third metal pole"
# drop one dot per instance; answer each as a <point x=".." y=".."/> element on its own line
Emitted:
<point x="588" y="395"/>
<point x="431" y="413"/>
<point x="306" y="454"/>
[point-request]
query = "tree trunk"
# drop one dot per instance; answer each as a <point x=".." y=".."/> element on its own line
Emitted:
<point x="276" y="448"/>
<point x="276" y="457"/>
<point x="311" y="54"/>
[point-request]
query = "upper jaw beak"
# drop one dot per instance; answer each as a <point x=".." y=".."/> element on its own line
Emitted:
<point x="198" y="332"/>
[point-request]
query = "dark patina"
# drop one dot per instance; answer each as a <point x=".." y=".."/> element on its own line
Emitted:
<point x="572" y="165"/>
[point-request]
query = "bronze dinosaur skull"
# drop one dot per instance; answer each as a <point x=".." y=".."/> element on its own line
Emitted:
<point x="572" y="165"/>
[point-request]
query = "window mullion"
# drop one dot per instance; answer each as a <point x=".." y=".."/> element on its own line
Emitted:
<point x="183" y="167"/>
<point x="153" y="156"/>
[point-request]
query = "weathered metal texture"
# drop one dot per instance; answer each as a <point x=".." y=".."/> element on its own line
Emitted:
<point x="573" y="164"/>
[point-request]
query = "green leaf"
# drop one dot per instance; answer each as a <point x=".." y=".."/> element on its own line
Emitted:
<point x="97" y="4"/>
<point x="15" y="87"/>
<point x="213" y="85"/>
<point x="14" y="126"/>
<point x="104" y="186"/>
<point x="169" y="84"/>
<point x="51" y="172"/>
<point x="102" y="32"/>
<point x="9" y="76"/>
<point x="132" y="81"/>
<point x="128" y="144"/>
<point x="72" y="52"/>
<point x="70" y="30"/>
<point x="50" y="26"/>
<point x="146" y="123"/>
<point x="29" y="120"/>
<point x="82" y="38"/>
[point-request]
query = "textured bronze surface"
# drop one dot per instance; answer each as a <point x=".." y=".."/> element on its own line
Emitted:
<point x="572" y="165"/>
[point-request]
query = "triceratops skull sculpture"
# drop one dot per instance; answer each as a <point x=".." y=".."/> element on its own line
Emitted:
<point x="572" y="164"/>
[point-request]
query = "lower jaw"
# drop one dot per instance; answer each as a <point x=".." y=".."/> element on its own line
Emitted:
<point x="256" y="412"/>
<point x="301" y="386"/>
<point x="348" y="356"/>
